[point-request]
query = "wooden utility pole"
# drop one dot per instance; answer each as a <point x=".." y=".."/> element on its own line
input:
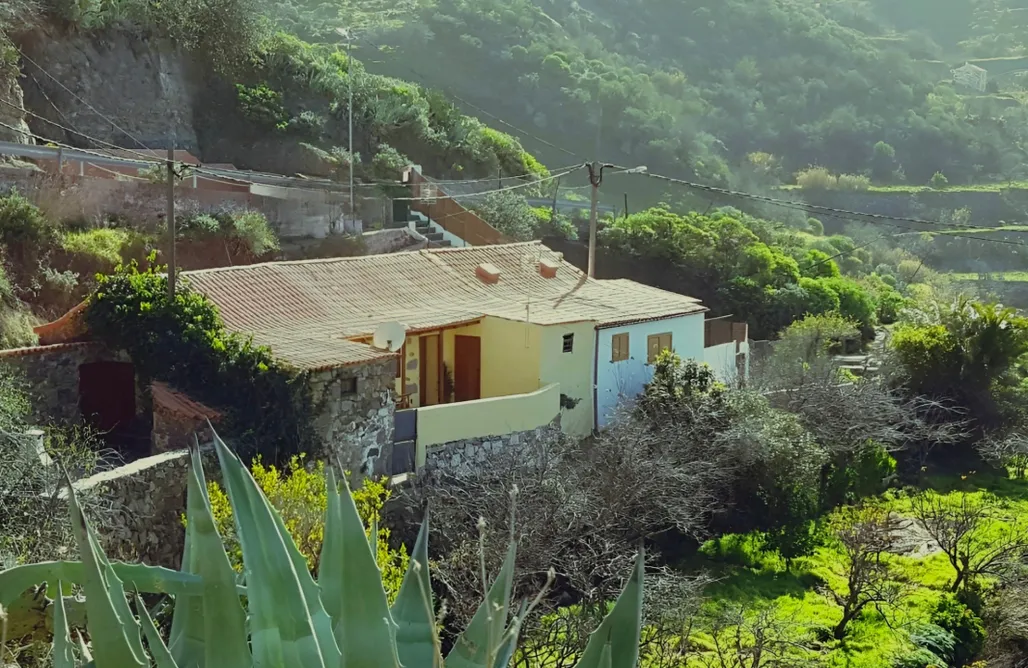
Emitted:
<point x="172" y="233"/>
<point x="595" y="178"/>
<point x="626" y="205"/>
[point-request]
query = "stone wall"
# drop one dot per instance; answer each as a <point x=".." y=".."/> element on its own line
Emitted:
<point x="51" y="376"/>
<point x="147" y="498"/>
<point x="458" y="457"/>
<point x="353" y="408"/>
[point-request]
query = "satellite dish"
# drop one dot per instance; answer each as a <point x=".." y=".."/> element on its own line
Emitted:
<point x="389" y="336"/>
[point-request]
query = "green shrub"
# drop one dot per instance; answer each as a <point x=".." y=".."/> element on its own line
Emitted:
<point x="890" y="304"/>
<point x="853" y="182"/>
<point x="855" y="303"/>
<point x="818" y="264"/>
<point x="967" y="629"/>
<point x="102" y="243"/>
<point x="820" y="297"/>
<point x="262" y="106"/>
<point x="815" y="226"/>
<point x="298" y="493"/>
<point x="938" y="181"/>
<point x="253" y="229"/>
<point x="816" y="178"/>
<point x="16" y="328"/>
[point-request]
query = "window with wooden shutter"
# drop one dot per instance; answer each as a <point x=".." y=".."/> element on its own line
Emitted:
<point x="656" y="344"/>
<point x="619" y="347"/>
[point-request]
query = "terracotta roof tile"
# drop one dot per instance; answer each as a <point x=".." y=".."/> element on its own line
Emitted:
<point x="304" y="311"/>
<point x="179" y="403"/>
<point x="44" y="349"/>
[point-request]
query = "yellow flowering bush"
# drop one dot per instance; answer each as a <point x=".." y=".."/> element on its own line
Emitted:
<point x="298" y="493"/>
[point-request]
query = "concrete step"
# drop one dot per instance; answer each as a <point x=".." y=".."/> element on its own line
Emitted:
<point x="433" y="236"/>
<point x="445" y="243"/>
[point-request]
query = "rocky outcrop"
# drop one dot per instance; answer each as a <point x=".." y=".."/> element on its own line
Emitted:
<point x="13" y="128"/>
<point x="116" y="87"/>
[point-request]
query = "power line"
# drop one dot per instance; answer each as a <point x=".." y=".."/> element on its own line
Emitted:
<point x="490" y="192"/>
<point x="75" y="132"/>
<point x="857" y="216"/>
<point x="79" y="98"/>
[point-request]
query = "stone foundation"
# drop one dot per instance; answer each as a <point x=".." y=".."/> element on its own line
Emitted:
<point x="353" y="409"/>
<point x="460" y="457"/>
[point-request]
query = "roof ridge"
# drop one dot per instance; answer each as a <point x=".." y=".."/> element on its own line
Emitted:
<point x="428" y="252"/>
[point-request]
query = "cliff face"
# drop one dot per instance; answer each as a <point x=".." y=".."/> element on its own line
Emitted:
<point x="12" y="121"/>
<point x="116" y="87"/>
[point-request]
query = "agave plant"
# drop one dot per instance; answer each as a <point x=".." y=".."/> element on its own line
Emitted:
<point x="289" y="620"/>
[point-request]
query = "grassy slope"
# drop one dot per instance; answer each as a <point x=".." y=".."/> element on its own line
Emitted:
<point x="751" y="576"/>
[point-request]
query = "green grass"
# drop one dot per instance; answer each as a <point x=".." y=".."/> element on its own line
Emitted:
<point x="745" y="573"/>
<point x="908" y="189"/>
<point x="1009" y="276"/>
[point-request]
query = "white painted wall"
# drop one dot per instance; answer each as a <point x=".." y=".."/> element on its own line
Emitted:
<point x="617" y="382"/>
<point x="721" y="359"/>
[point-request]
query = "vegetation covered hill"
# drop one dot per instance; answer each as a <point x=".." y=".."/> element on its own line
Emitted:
<point x="693" y="86"/>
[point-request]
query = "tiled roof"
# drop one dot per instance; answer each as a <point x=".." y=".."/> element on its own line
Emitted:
<point x="305" y="310"/>
<point x="176" y="402"/>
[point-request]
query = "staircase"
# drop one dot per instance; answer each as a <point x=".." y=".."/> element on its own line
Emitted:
<point x="426" y="229"/>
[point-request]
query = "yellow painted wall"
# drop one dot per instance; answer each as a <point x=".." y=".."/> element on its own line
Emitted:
<point x="574" y="372"/>
<point x="510" y="357"/>
<point x="485" y="417"/>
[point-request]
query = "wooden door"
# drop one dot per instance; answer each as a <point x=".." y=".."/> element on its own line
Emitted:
<point x="107" y="394"/>
<point x="467" y="373"/>
<point x="430" y="389"/>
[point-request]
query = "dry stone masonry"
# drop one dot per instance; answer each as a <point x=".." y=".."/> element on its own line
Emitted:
<point x="461" y="457"/>
<point x="353" y="414"/>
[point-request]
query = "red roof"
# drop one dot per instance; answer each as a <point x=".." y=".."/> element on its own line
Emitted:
<point x="179" y="403"/>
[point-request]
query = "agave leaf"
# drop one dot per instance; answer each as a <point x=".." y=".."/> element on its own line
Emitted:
<point x="139" y="577"/>
<point x="224" y="619"/>
<point x="114" y="631"/>
<point x="281" y="630"/>
<point x="64" y="655"/>
<point x="618" y="634"/>
<point x="413" y="610"/>
<point x="186" y="640"/>
<point x="480" y="643"/>
<point x="605" y="660"/>
<point x="510" y="643"/>
<point x="87" y="656"/>
<point x="158" y="650"/>
<point x="352" y="585"/>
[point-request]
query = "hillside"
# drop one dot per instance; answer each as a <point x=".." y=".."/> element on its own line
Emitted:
<point x="693" y="87"/>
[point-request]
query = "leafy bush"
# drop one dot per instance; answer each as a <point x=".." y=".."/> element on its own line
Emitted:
<point x="307" y="124"/>
<point x="815" y="226"/>
<point x="262" y="106"/>
<point x="816" y="178"/>
<point x="102" y="243"/>
<point x="183" y="341"/>
<point x="248" y="228"/>
<point x="967" y="629"/>
<point x="818" y="264"/>
<point x="548" y="225"/>
<point x="883" y="162"/>
<point x="852" y="182"/>
<point x="509" y="213"/>
<point x="890" y="304"/>
<point x="938" y="181"/>
<point x="299" y="494"/>
<point x="855" y="303"/>
<point x="16" y="325"/>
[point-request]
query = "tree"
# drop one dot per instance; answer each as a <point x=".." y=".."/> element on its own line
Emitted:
<point x="1009" y="451"/>
<point x="963" y="530"/>
<point x="883" y="162"/>
<point x="760" y="638"/>
<point x="865" y="537"/>
<point x="509" y="213"/>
